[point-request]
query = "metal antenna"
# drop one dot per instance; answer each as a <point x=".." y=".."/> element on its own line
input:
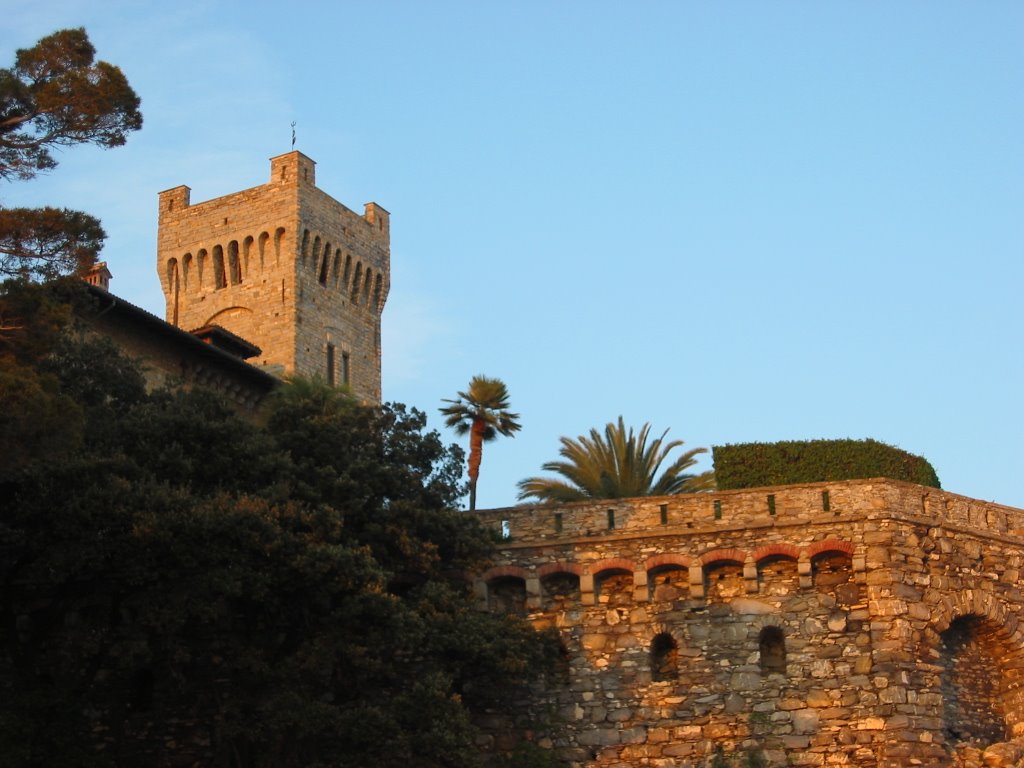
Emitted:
<point x="293" y="134"/>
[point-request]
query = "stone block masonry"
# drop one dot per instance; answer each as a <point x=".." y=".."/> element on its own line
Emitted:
<point x="858" y="623"/>
<point x="286" y="267"/>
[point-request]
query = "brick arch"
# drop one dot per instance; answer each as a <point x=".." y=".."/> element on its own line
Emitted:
<point x="560" y="566"/>
<point x="717" y="555"/>
<point x="829" y="545"/>
<point x="776" y="550"/>
<point x="656" y="561"/>
<point x="505" y="570"/>
<point x="612" y="564"/>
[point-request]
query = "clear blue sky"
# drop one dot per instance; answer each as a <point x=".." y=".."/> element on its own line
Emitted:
<point x="744" y="221"/>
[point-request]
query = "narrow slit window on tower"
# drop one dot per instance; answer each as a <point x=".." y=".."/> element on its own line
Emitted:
<point x="611" y="519"/>
<point x="771" y="504"/>
<point x="330" y="365"/>
<point x="718" y="509"/>
<point x="663" y="513"/>
<point x="558" y="522"/>
<point x="826" y="503"/>
<point x="346" y="369"/>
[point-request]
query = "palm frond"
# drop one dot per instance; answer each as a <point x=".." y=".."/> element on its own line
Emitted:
<point x="617" y="464"/>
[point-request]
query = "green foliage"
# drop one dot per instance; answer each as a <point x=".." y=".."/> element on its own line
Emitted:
<point x="618" y="464"/>
<point x="44" y="243"/>
<point x="181" y="585"/>
<point x="56" y="95"/>
<point x="482" y="413"/>
<point x="753" y="465"/>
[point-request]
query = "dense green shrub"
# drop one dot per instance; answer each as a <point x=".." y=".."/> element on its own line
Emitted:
<point x="752" y="465"/>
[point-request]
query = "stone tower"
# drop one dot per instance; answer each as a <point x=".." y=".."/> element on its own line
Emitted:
<point x="286" y="267"/>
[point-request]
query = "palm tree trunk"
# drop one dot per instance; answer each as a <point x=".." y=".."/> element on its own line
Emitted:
<point x="476" y="449"/>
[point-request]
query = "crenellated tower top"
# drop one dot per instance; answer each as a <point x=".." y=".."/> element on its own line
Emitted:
<point x="285" y="266"/>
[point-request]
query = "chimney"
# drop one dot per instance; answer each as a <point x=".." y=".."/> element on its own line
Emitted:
<point x="99" y="275"/>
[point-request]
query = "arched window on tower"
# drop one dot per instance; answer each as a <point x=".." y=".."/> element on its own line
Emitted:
<point x="356" y="282"/>
<point x="772" y="646"/>
<point x="202" y="268"/>
<point x="278" y="237"/>
<point x="234" y="266"/>
<point x="325" y="264"/>
<point x="220" y="279"/>
<point x="664" y="658"/>
<point x="247" y="254"/>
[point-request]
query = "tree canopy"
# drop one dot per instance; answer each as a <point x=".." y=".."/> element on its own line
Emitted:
<point x="56" y="95"/>
<point x="616" y="464"/>
<point x="482" y="412"/>
<point x="183" y="585"/>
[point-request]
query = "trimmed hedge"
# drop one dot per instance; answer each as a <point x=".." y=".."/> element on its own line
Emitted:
<point x="752" y="465"/>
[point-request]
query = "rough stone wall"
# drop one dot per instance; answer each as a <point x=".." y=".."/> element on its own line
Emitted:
<point x="284" y="266"/>
<point x="868" y="623"/>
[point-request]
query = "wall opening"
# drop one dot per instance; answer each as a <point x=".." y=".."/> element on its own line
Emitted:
<point x="973" y="685"/>
<point x="330" y="365"/>
<point x="507" y="594"/>
<point x="325" y="265"/>
<point x="278" y="237"/>
<point x="664" y="658"/>
<point x="614" y="587"/>
<point x="560" y="591"/>
<point x="668" y="582"/>
<point x="833" y="575"/>
<point x="723" y="579"/>
<point x="772" y="646"/>
<point x="354" y="294"/>
<point x="220" y="277"/>
<point x="778" y="575"/>
<point x="234" y="265"/>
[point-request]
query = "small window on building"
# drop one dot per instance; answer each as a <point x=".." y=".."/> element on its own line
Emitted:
<point x="663" y="513"/>
<point x="558" y="522"/>
<point x="664" y="658"/>
<point x="611" y="519"/>
<point x="772" y="645"/>
<point x="330" y="365"/>
<point x="346" y="369"/>
<point x="506" y="529"/>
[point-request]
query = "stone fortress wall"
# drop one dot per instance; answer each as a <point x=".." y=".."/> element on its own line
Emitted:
<point x="286" y="267"/>
<point x="861" y="623"/>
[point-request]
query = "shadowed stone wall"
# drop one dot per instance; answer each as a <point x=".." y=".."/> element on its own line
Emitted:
<point x="867" y="623"/>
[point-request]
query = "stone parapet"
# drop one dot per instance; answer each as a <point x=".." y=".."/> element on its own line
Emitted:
<point x="867" y="622"/>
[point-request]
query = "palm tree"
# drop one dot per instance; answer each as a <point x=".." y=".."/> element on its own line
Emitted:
<point x="482" y="411"/>
<point x="617" y="464"/>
